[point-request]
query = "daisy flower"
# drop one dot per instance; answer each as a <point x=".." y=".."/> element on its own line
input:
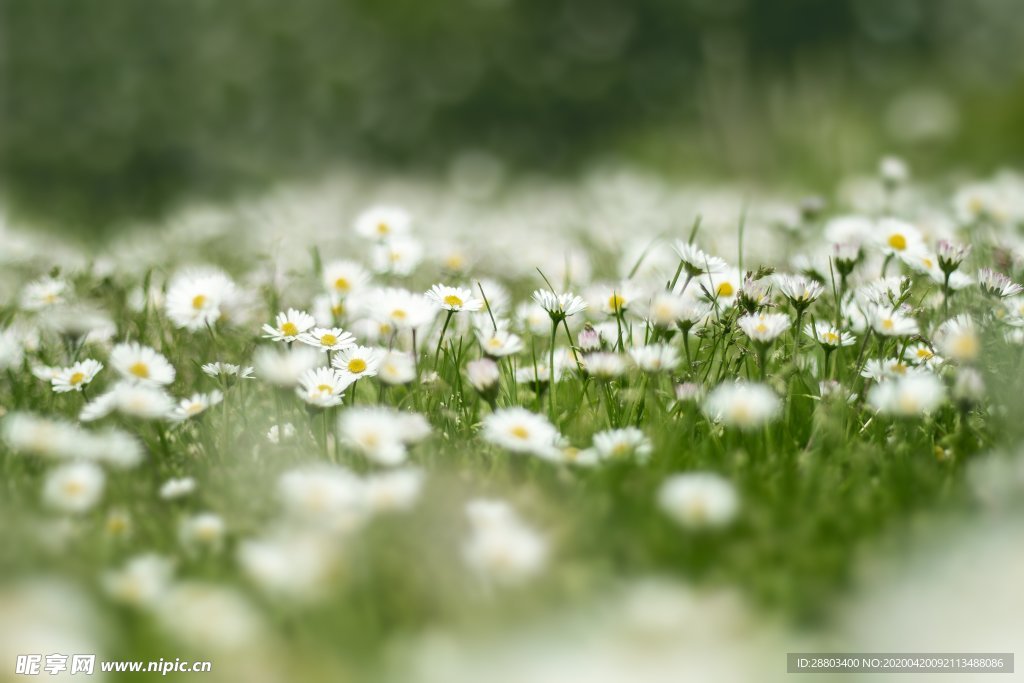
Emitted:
<point x="396" y="256"/>
<point x="218" y="369"/>
<point x="356" y="362"/>
<point x="483" y="375"/>
<point x="328" y="339"/>
<point x="499" y="343"/>
<point x="142" y="581"/>
<point x="321" y="495"/>
<point x="895" y="236"/>
<point x="202" y="531"/>
<point x="396" y="367"/>
<point x="722" y="287"/>
<point x="800" y="290"/>
<point x="43" y="293"/>
<point x="177" y="488"/>
<point x="392" y="491"/>
<point x="655" y="357"/>
<point x="455" y="299"/>
<point x="911" y="395"/>
<point x="614" y="299"/>
<point x="344" y="277"/>
<point x="699" y="500"/>
<point x="322" y="387"/>
<point x="696" y="261"/>
<point x="764" y="327"/>
<point x="501" y="548"/>
<point x="879" y="369"/>
<point x="284" y="367"/>
<point x="196" y="404"/>
<point x="958" y="339"/>
<point x="742" y="404"/>
<point x="288" y="326"/>
<point x="382" y="434"/>
<point x="128" y="398"/>
<point x="951" y="255"/>
<point x="890" y="323"/>
<point x="605" y="365"/>
<point x="520" y="431"/>
<point x="617" y="444"/>
<point x="922" y="354"/>
<point x="996" y="284"/>
<point x="141" y="364"/>
<point x="400" y="309"/>
<point x="829" y="336"/>
<point x="383" y="222"/>
<point x="559" y="306"/>
<point x="76" y="377"/>
<point x="194" y="298"/>
<point x="74" y="488"/>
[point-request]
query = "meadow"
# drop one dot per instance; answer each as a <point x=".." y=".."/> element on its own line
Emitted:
<point x="326" y="431"/>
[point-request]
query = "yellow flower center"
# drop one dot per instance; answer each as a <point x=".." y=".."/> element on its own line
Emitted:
<point x="454" y="261"/>
<point x="399" y="314"/>
<point x="289" y="329"/>
<point x="140" y="370"/>
<point x="965" y="346"/>
<point x="337" y="309"/>
<point x="325" y="388"/>
<point x="831" y="337"/>
<point x="76" y="378"/>
<point x="73" y="488"/>
<point x="356" y="365"/>
<point x="616" y="302"/>
<point x="898" y="242"/>
<point x="198" y="301"/>
<point x="194" y="408"/>
<point x="761" y="327"/>
<point x="328" y="339"/>
<point x="383" y="228"/>
<point x="924" y="353"/>
<point x="342" y="284"/>
<point x="888" y="324"/>
<point x="494" y="343"/>
<point x="520" y="432"/>
<point x="452" y="300"/>
<point x="725" y="289"/>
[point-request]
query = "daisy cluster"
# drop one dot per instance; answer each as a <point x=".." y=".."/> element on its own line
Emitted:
<point x="246" y="433"/>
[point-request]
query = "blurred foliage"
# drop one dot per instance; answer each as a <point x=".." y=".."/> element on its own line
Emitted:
<point x="117" y="109"/>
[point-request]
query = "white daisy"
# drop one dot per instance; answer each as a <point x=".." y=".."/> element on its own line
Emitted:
<point x="696" y="261"/>
<point x="799" y="289"/>
<point x="655" y="357"/>
<point x="218" y="370"/>
<point x="76" y="377"/>
<point x="358" y="361"/>
<point x="829" y="336"/>
<point x="396" y="256"/>
<point x="894" y="236"/>
<point x="195" y="405"/>
<point x="328" y="339"/>
<point x="177" y="488"/>
<point x="322" y="387"/>
<point x="381" y="434"/>
<point x="699" y="500"/>
<point x="196" y="299"/>
<point x="283" y="367"/>
<point x="605" y="365"/>
<point x="383" y="222"/>
<point x="74" y="488"/>
<point x="742" y="404"/>
<point x="911" y="395"/>
<point x="996" y="284"/>
<point x="958" y="339"/>
<point x="617" y="444"/>
<point x="141" y="364"/>
<point x="499" y="343"/>
<point x="396" y="367"/>
<point x="559" y="306"/>
<point x="43" y="293"/>
<point x="889" y="323"/>
<point x="764" y="327"/>
<point x="520" y="431"/>
<point x="131" y="399"/>
<point x="483" y="375"/>
<point x="289" y="325"/>
<point x="344" y="277"/>
<point x="454" y="299"/>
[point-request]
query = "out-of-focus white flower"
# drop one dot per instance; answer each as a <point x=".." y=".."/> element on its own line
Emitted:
<point x="43" y="293"/>
<point x="284" y="367"/>
<point x="957" y="339"/>
<point x="499" y="343"/>
<point x="202" y="531"/>
<point x="195" y="405"/>
<point x="619" y="444"/>
<point x="894" y="236"/>
<point x="381" y="434"/>
<point x="141" y="364"/>
<point x="177" y="488"/>
<point x="134" y="400"/>
<point x="295" y="566"/>
<point x="327" y="497"/>
<point x="889" y="323"/>
<point x="764" y="327"/>
<point x="911" y="395"/>
<point x="74" y="488"/>
<point x="383" y="222"/>
<point x="344" y="277"/>
<point x="742" y="404"/>
<point x="520" y="431"/>
<point x="699" y="500"/>
<point x="209" y="617"/>
<point x="219" y="369"/>
<point x="605" y="365"/>
<point x="398" y="255"/>
<point x="655" y="357"/>
<point x="141" y="582"/>
<point x="11" y="351"/>
<point x="501" y="548"/>
<point x="396" y="367"/>
<point x="197" y="299"/>
<point x="393" y="491"/>
<point x="696" y="261"/>
<point x="483" y="374"/>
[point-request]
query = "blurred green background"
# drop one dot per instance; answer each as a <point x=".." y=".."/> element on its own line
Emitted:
<point x="116" y="110"/>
